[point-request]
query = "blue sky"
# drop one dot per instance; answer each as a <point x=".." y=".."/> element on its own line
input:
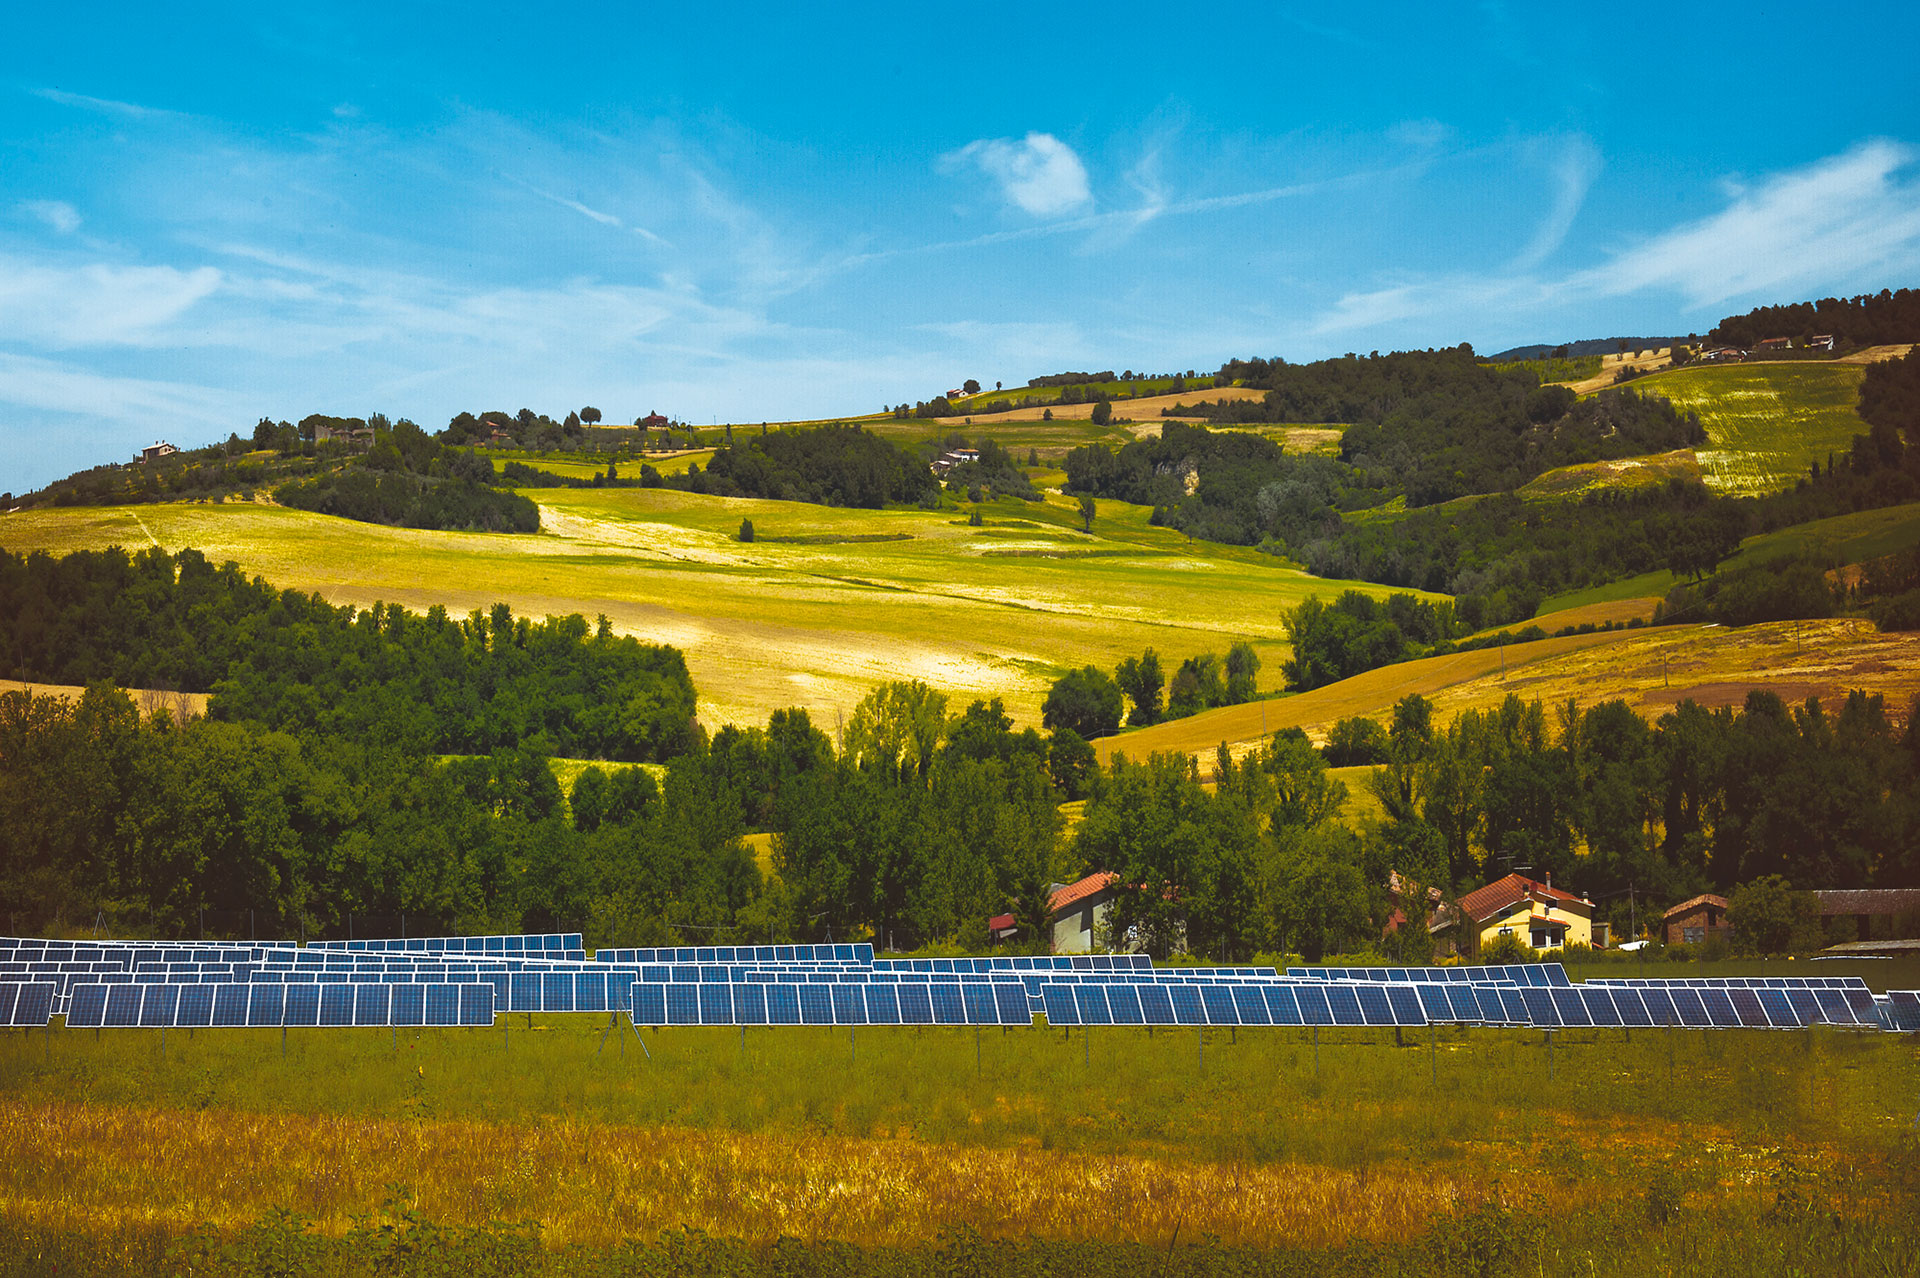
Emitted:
<point x="210" y="214"/>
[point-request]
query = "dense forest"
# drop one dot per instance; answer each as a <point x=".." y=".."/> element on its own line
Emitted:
<point x="836" y="465"/>
<point x="383" y="675"/>
<point x="1872" y="319"/>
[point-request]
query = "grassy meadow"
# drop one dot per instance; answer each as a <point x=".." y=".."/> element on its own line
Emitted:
<point x="1766" y="423"/>
<point x="893" y="1138"/>
<point x="823" y="605"/>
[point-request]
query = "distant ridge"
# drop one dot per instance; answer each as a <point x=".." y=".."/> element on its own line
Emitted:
<point x="1591" y="346"/>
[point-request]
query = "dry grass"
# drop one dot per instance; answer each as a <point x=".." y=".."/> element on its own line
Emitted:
<point x="1144" y="407"/>
<point x="1625" y="472"/>
<point x="1652" y="670"/>
<point x="181" y="705"/>
<point x="96" y="1168"/>
<point x="1610" y="366"/>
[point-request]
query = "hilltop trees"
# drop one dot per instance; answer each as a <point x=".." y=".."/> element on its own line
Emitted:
<point x="832" y="465"/>
<point x="1085" y="702"/>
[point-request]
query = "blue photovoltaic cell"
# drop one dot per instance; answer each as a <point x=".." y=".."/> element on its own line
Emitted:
<point x="1091" y="1002"/>
<point x="1313" y="1005"/>
<point x="649" y="1004"/>
<point x="1778" y="1010"/>
<point x="1156" y="1006"/>
<point x="443" y="1004"/>
<point x="590" y="992"/>
<point x="982" y="1009"/>
<point x="556" y="992"/>
<point x="370" y="1004"/>
<point x="1374" y="1008"/>
<point x="1187" y="1008"/>
<point x="1903" y="1008"/>
<point x="750" y="1004"/>
<point x="1281" y="1007"/>
<point x="1442" y="1002"/>
<point x="32" y="1005"/>
<point x="1406" y="1006"/>
<point x="683" y="1003"/>
<point x="716" y="1003"/>
<point x="1124" y="1002"/>
<point x="1860" y="999"/>
<point x="1060" y="1004"/>
<point x="916" y="1005"/>
<point x="1249" y="1007"/>
<point x="196" y="1007"/>
<point x="1688" y="1008"/>
<point x="948" y="1008"/>
<point x="9" y="1000"/>
<point x="266" y="1005"/>
<point x="1541" y="1010"/>
<point x="123" y="1005"/>
<point x="1345" y="1005"/>
<point x="1804" y="1006"/>
<point x="229" y="1005"/>
<point x="1746" y="1006"/>
<point x="1833" y="1007"/>
<point x="1632" y="1007"/>
<point x="883" y="1004"/>
<point x="523" y="994"/>
<point x="1719" y="1008"/>
<point x="849" y="1008"/>
<point x="158" y="1007"/>
<point x="336" y="1004"/>
<point x="1601" y="1009"/>
<point x="816" y="1005"/>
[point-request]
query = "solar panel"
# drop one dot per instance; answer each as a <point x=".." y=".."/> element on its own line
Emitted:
<point x="1282" y="1009"/>
<point x="1600" y="1005"/>
<point x="1314" y="1009"/>
<point x="1747" y="1006"/>
<point x="1249" y="1005"/>
<point x="372" y="1004"/>
<point x="1632" y="1007"/>
<point x="916" y="1005"/>
<point x="1834" y="1008"/>
<point x="816" y="1004"/>
<point x="1344" y="1002"/>
<point x="1779" y="1009"/>
<point x="590" y="991"/>
<point x="1374" y="1008"/>
<point x="750" y="1004"/>
<point x="1406" y="1006"/>
<point x="948" y="1007"/>
<point x="443" y="1004"/>
<point x="1061" y="1006"/>
<point x="336" y="1005"/>
<point x="683" y="1003"/>
<point x="883" y="1003"/>
<point x="266" y="1005"/>
<point x="1541" y="1009"/>
<point x="556" y="992"/>
<point x="1187" y="1008"/>
<point x="649" y="1004"/>
<point x="1091" y="1002"/>
<point x="1719" y="1008"/>
<point x="1123" y="1001"/>
<point x="1903" y="1008"/>
<point x="86" y="1006"/>
<point x="849" y="1007"/>
<point x="982" y="1007"/>
<point x="1156" y="1005"/>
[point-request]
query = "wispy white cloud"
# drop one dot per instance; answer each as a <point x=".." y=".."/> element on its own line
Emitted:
<point x="1833" y="221"/>
<point x="1575" y="165"/>
<point x="102" y="106"/>
<point x="97" y="304"/>
<point x="1039" y="173"/>
<point x="58" y="214"/>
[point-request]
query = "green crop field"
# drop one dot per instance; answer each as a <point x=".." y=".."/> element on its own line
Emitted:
<point x="1766" y="423"/>
<point x="822" y="607"/>
<point x="1444" y="1151"/>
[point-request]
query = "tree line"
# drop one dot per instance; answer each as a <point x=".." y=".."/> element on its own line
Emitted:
<point x="1871" y="319"/>
<point x="1088" y="703"/>
<point x="430" y="683"/>
<point x="837" y="465"/>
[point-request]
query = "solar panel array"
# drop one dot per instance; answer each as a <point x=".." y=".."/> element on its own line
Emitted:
<point x="448" y="981"/>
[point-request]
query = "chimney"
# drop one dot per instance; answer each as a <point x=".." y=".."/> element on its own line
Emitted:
<point x="1549" y="879"/>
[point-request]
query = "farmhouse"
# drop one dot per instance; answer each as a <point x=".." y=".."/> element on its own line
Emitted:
<point x="1538" y="913"/>
<point x="1775" y="344"/>
<point x="154" y="452"/>
<point x="1080" y="911"/>
<point x="1820" y="342"/>
<point x="1695" y="922"/>
<point x="954" y="457"/>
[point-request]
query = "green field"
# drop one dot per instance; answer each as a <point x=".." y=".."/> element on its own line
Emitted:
<point x="1843" y="539"/>
<point x="1001" y="400"/>
<point x="1766" y="423"/>
<point x="824" y="606"/>
<point x="1411" y="1147"/>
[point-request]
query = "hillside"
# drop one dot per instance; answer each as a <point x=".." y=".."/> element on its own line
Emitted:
<point x="823" y="605"/>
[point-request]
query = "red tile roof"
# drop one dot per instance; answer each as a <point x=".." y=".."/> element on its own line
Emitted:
<point x="1502" y="895"/>
<point x="1718" y="902"/>
<point x="1072" y="892"/>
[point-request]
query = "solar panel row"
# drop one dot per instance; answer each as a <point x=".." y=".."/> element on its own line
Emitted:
<point x="95" y="1006"/>
<point x="935" y="1003"/>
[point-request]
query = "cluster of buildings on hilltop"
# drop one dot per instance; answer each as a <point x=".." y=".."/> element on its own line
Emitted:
<point x="954" y="457"/>
<point x="1534" y="912"/>
<point x="1765" y="347"/>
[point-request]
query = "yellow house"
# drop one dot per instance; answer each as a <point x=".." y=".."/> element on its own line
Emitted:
<point x="1538" y="914"/>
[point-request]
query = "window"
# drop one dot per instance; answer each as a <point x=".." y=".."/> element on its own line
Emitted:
<point x="1693" y="935"/>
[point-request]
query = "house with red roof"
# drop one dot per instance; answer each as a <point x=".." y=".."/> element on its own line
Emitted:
<point x="1536" y="912"/>
<point x="1696" y="921"/>
<point x="1080" y="911"/>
